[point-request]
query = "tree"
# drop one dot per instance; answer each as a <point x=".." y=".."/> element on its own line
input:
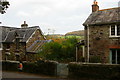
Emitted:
<point x="3" y="6"/>
<point x="63" y="52"/>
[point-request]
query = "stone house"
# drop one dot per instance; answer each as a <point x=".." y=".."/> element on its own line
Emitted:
<point x="102" y="35"/>
<point x="21" y="43"/>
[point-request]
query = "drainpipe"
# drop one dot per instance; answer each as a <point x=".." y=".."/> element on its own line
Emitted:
<point x="88" y="56"/>
<point x="76" y="54"/>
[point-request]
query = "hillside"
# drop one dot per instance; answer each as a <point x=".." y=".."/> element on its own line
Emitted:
<point x="77" y="33"/>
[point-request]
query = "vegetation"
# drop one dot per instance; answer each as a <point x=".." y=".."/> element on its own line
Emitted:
<point x="3" y="6"/>
<point x="77" y="33"/>
<point x="63" y="52"/>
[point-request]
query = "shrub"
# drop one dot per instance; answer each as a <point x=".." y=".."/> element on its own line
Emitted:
<point x="59" y="52"/>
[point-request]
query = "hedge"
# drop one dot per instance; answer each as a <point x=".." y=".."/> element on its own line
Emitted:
<point x="39" y="67"/>
<point x="94" y="71"/>
<point x="10" y="65"/>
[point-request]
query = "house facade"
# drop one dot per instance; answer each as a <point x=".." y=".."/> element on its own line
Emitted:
<point x="102" y="35"/>
<point x="21" y="43"/>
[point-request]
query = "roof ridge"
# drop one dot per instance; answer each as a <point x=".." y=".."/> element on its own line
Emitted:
<point x="109" y="9"/>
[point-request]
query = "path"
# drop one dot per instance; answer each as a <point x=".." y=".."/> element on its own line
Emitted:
<point x="7" y="74"/>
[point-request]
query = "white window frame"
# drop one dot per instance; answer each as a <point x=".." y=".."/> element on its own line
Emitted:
<point x="115" y="32"/>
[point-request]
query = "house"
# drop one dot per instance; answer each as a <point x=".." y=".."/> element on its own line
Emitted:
<point x="21" y="43"/>
<point x="102" y="35"/>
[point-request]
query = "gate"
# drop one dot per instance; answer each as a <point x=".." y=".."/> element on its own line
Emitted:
<point x="62" y="70"/>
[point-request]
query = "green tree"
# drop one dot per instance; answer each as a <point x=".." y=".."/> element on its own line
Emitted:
<point x="59" y="52"/>
<point x="68" y="48"/>
<point x="3" y="6"/>
<point x="51" y="51"/>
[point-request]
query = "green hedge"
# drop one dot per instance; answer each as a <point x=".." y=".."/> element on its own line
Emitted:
<point x="94" y="71"/>
<point x="10" y="66"/>
<point x="39" y="67"/>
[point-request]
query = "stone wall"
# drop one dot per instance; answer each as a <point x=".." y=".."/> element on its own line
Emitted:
<point x="93" y="71"/>
<point x="99" y="43"/>
<point x="13" y="51"/>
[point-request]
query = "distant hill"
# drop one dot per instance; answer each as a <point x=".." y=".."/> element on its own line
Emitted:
<point x="77" y="33"/>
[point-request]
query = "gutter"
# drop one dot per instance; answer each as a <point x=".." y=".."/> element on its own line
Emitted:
<point x="101" y="23"/>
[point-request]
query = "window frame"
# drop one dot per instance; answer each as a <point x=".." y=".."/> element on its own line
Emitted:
<point x="115" y="31"/>
<point x="116" y="60"/>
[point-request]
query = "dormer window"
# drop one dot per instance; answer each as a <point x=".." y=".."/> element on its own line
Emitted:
<point x="115" y="31"/>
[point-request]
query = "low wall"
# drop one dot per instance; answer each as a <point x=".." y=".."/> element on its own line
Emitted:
<point x="94" y="71"/>
<point x="40" y="67"/>
<point x="10" y="65"/>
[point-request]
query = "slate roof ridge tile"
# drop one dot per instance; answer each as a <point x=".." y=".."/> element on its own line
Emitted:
<point x="109" y="9"/>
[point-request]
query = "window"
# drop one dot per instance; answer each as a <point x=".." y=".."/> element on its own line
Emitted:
<point x="115" y="56"/>
<point x="115" y="30"/>
<point x="118" y="30"/>
<point x="0" y="46"/>
<point x="17" y="43"/>
<point x="8" y="46"/>
<point x="112" y="30"/>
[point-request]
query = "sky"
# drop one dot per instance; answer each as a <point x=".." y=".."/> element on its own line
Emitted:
<point x="53" y="16"/>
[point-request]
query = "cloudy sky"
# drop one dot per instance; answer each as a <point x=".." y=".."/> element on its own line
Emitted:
<point x="60" y="16"/>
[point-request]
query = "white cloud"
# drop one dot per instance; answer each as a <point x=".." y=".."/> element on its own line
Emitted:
<point x="61" y="15"/>
<point x="23" y="14"/>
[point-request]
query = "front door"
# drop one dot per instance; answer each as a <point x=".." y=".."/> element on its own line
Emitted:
<point x="115" y="56"/>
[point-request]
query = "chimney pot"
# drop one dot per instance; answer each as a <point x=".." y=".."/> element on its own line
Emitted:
<point x="24" y="22"/>
<point x="95" y="6"/>
<point x="24" y="25"/>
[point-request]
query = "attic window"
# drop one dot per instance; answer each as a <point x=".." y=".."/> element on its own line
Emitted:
<point x="115" y="31"/>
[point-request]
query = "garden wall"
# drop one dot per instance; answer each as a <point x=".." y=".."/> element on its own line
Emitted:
<point x="40" y="67"/>
<point x="94" y="71"/>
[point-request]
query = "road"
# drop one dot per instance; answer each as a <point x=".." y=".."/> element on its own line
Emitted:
<point x="21" y="75"/>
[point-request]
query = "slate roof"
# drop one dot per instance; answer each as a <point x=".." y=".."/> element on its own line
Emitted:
<point x="9" y="34"/>
<point x="106" y="16"/>
<point x="4" y="31"/>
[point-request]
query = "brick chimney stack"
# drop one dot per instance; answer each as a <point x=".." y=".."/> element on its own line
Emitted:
<point x="24" y="25"/>
<point x="95" y="6"/>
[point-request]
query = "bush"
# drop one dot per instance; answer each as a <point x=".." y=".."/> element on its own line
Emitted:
<point x="64" y="51"/>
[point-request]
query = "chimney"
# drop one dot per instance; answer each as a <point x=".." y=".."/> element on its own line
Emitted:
<point x="24" y="25"/>
<point x="95" y="6"/>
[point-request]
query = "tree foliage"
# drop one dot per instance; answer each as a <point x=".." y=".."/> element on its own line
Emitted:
<point x="3" y="6"/>
<point x="64" y="51"/>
